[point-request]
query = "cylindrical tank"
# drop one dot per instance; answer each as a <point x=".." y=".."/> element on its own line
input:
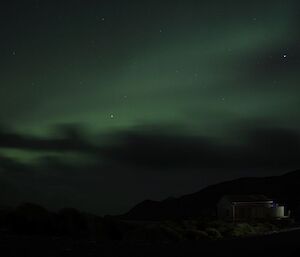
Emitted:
<point x="277" y="212"/>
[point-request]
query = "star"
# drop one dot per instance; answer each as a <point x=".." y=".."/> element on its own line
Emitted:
<point x="285" y="56"/>
<point x="112" y="116"/>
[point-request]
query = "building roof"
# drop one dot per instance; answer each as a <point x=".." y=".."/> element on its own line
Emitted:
<point x="247" y="198"/>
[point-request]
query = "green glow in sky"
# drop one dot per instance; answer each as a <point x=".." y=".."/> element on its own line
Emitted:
<point x="107" y="71"/>
<point x="216" y="80"/>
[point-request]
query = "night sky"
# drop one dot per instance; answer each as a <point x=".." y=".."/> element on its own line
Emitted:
<point x="104" y="104"/>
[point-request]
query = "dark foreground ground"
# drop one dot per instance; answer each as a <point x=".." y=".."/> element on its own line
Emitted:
<point x="281" y="244"/>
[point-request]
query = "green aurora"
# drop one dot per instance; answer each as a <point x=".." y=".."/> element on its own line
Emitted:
<point x="211" y="69"/>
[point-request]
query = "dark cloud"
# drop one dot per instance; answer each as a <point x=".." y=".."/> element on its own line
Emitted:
<point x="157" y="150"/>
<point x="11" y="165"/>
<point x="272" y="148"/>
<point x="70" y="138"/>
<point x="125" y="167"/>
<point x="161" y="150"/>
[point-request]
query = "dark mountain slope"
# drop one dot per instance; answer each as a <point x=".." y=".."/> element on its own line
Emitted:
<point x="285" y="189"/>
